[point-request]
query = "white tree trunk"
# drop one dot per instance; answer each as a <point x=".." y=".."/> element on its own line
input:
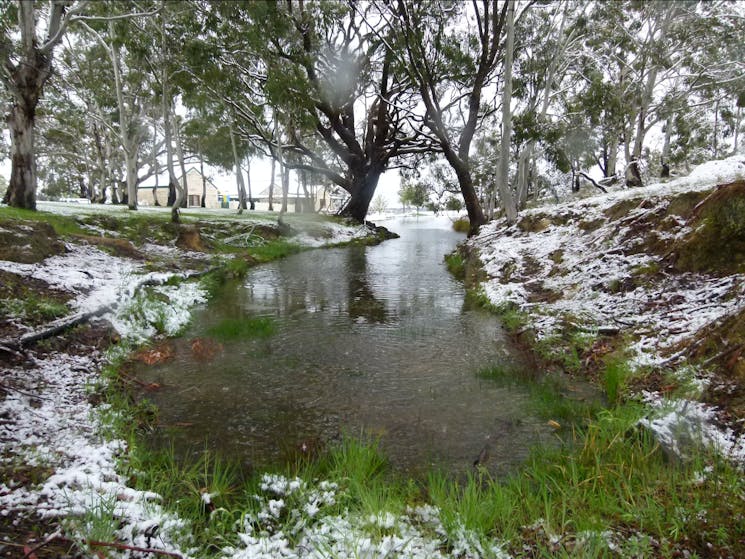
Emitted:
<point x="181" y="200"/>
<point x="505" y="192"/>
<point x="238" y="175"/>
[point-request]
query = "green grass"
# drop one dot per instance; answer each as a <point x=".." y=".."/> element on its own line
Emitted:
<point x="615" y="375"/>
<point x="273" y="250"/>
<point x="242" y="328"/>
<point x="33" y="308"/>
<point x="456" y="265"/>
<point x="612" y="475"/>
<point x="63" y="225"/>
<point x="503" y="373"/>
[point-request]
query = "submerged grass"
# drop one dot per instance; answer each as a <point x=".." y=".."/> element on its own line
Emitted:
<point x="243" y="327"/>
<point x="274" y="250"/>
<point x="547" y="395"/>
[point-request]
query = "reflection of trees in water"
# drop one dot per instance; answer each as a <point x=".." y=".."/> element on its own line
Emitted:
<point x="362" y="301"/>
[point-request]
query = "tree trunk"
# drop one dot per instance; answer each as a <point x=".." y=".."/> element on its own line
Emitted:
<point x="156" y="165"/>
<point x="184" y="191"/>
<point x="251" y="203"/>
<point x="715" y="143"/>
<point x="737" y="128"/>
<point x="505" y="192"/>
<point x="524" y="163"/>
<point x="174" y="200"/>
<point x="285" y="188"/>
<point x="22" y="187"/>
<point x="271" y="187"/>
<point x="284" y="173"/>
<point x="238" y="175"/>
<point x="363" y="190"/>
<point x="203" y="202"/>
<point x="132" y="181"/>
<point x="25" y="79"/>
<point x="610" y="168"/>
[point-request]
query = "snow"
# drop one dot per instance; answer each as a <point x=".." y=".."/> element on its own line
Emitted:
<point x="51" y="424"/>
<point x="683" y="425"/>
<point x="416" y="534"/>
<point x="583" y="258"/>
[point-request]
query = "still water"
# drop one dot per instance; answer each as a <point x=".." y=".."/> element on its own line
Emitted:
<point x="370" y="341"/>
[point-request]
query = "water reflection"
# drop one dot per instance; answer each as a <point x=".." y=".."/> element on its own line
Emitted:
<point x="362" y="305"/>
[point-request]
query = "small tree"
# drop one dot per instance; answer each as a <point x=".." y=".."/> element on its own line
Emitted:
<point x="379" y="204"/>
<point x="413" y="194"/>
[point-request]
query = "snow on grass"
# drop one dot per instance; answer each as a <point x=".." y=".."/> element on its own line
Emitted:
<point x="50" y="425"/>
<point x="93" y="276"/>
<point x="593" y="269"/>
<point x="292" y="523"/>
<point x="333" y="234"/>
<point x="682" y="426"/>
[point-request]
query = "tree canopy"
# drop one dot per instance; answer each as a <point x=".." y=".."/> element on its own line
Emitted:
<point x="490" y="102"/>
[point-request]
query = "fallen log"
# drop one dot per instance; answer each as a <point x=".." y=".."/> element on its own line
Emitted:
<point x="60" y="325"/>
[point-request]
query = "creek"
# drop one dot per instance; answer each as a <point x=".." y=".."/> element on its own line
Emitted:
<point x="373" y="342"/>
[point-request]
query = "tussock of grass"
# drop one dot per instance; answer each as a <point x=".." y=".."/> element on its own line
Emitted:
<point x="616" y="374"/>
<point x="273" y="250"/>
<point x="456" y="265"/>
<point x="243" y="327"/>
<point x="462" y="225"/>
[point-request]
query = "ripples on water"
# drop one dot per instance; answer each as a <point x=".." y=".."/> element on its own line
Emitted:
<point x="373" y="341"/>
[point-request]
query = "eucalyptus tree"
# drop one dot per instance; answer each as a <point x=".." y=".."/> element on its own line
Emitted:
<point x="712" y="84"/>
<point x="546" y="42"/>
<point x="321" y="72"/>
<point x="30" y="32"/>
<point x="125" y="92"/>
<point x="642" y="64"/>
<point x="452" y="51"/>
<point x="65" y="149"/>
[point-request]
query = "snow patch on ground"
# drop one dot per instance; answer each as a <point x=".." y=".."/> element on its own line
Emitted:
<point x="582" y="260"/>
<point x="51" y="425"/>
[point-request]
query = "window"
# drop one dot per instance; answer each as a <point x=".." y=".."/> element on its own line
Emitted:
<point x="195" y="200"/>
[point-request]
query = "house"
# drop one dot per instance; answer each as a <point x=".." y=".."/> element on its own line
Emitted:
<point x="148" y="194"/>
<point x="322" y="199"/>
